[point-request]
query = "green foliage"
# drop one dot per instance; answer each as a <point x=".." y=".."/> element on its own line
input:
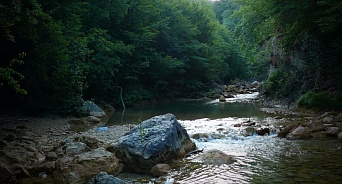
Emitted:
<point x="9" y="75"/>
<point x="307" y="47"/>
<point x="320" y="100"/>
<point x="280" y="83"/>
<point x="79" y="50"/>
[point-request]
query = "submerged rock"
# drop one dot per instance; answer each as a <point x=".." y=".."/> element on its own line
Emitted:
<point x="104" y="178"/>
<point x="156" y="140"/>
<point x="215" y="157"/>
<point x="160" y="170"/>
<point x="200" y="136"/>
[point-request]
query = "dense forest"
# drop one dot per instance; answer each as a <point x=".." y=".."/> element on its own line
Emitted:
<point x="55" y="54"/>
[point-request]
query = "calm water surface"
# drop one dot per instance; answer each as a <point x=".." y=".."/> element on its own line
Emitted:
<point x="190" y="110"/>
<point x="260" y="159"/>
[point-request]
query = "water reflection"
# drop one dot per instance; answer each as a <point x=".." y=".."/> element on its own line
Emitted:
<point x="186" y="110"/>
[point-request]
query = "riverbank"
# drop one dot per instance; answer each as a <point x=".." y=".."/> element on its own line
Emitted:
<point x="34" y="148"/>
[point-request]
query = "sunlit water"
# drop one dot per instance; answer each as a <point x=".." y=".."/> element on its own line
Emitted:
<point x="260" y="159"/>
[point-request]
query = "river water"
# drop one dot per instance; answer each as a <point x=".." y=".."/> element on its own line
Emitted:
<point x="260" y="159"/>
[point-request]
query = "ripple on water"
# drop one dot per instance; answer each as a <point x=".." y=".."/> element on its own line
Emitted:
<point x="260" y="159"/>
<point x="211" y="174"/>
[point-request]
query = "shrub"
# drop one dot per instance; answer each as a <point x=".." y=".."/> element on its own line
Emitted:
<point x="320" y="100"/>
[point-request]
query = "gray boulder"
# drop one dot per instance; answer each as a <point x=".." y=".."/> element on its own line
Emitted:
<point x="156" y="140"/>
<point x="104" y="178"/>
<point x="92" y="109"/>
<point x="299" y="133"/>
<point x="79" y="168"/>
<point x="74" y="148"/>
<point x="284" y="132"/>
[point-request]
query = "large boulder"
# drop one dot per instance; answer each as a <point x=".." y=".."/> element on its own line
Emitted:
<point x="80" y="168"/>
<point x="156" y="140"/>
<point x="91" y="109"/>
<point x="284" y="132"/>
<point x="299" y="133"/>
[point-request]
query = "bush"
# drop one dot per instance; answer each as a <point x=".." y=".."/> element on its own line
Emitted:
<point x="320" y="100"/>
<point x="279" y="84"/>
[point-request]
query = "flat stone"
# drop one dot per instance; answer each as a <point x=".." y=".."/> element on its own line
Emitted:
<point x="214" y="157"/>
<point x="160" y="170"/>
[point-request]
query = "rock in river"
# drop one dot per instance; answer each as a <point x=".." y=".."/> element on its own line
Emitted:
<point x="104" y="178"/>
<point x="215" y="157"/>
<point x="156" y="140"/>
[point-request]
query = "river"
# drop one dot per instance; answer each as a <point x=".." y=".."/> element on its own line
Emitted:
<point x="260" y="159"/>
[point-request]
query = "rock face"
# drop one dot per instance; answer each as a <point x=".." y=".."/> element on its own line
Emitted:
<point x="104" y="178"/>
<point x="215" y="157"/>
<point x="156" y="140"/>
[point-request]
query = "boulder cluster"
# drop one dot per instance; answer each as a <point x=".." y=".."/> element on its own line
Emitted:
<point x="326" y="125"/>
<point x="60" y="155"/>
<point x="222" y="92"/>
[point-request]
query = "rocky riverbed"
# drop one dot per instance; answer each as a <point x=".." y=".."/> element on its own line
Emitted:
<point x="40" y="150"/>
<point x="74" y="150"/>
<point x="49" y="149"/>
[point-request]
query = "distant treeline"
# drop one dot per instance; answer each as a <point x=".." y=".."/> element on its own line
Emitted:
<point x="57" y="53"/>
